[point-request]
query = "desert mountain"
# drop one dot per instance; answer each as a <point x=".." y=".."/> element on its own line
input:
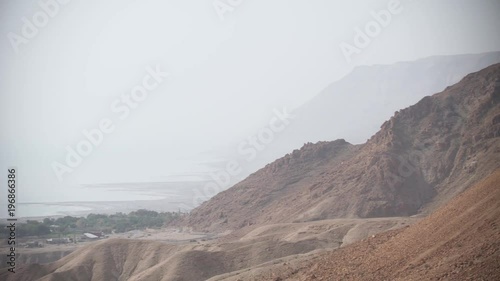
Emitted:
<point x="331" y="194"/>
<point x="460" y="241"/>
<point x="374" y="94"/>
<point x="423" y="156"/>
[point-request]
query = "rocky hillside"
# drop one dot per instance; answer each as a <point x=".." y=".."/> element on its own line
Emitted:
<point x="460" y="241"/>
<point x="423" y="156"/>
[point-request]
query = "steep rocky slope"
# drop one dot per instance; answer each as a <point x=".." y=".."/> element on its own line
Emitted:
<point x="421" y="157"/>
<point x="460" y="241"/>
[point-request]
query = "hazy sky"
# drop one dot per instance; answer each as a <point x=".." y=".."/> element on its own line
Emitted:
<point x="226" y="76"/>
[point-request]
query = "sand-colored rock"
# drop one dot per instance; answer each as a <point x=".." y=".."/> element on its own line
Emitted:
<point x="460" y="241"/>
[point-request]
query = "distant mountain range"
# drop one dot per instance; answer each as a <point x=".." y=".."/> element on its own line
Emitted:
<point x="353" y="107"/>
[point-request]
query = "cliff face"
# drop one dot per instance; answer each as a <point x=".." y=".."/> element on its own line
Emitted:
<point x="259" y="198"/>
<point x="420" y="158"/>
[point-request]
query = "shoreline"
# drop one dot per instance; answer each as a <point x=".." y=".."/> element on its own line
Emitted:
<point x="100" y="207"/>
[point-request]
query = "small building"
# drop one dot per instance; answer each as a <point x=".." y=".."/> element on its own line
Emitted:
<point x="88" y="235"/>
<point x="99" y="234"/>
<point x="34" y="244"/>
<point x="64" y="240"/>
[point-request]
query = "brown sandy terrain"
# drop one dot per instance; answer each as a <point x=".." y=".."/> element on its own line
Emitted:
<point x="51" y="252"/>
<point x="460" y="241"/>
<point x="38" y="255"/>
<point x="149" y="259"/>
<point x="172" y="235"/>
